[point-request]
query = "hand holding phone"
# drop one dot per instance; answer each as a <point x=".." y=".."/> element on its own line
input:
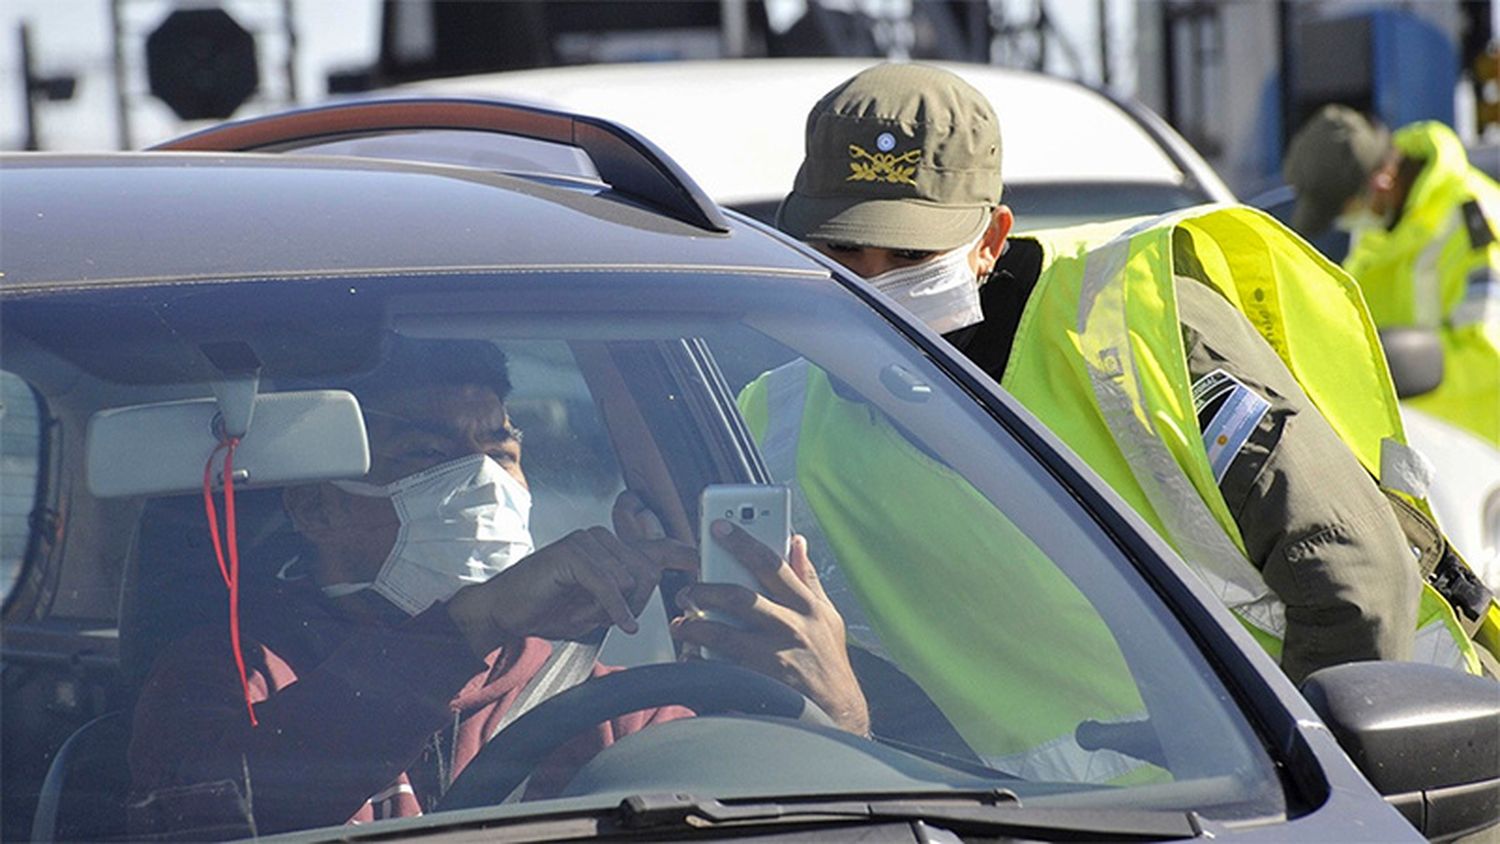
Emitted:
<point x="761" y="510"/>
<point x="792" y="626"/>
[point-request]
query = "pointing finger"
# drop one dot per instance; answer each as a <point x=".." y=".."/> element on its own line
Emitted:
<point x="608" y="596"/>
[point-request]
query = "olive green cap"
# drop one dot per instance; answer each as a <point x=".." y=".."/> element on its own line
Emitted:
<point x="1328" y="163"/>
<point x="900" y="156"/>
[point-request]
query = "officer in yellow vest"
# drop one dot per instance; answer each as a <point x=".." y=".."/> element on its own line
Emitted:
<point x="1422" y="223"/>
<point x="1157" y="351"/>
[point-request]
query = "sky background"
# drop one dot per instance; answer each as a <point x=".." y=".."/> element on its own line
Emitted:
<point x="73" y="37"/>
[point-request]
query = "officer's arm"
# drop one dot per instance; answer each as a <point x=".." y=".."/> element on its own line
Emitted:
<point x="1311" y="517"/>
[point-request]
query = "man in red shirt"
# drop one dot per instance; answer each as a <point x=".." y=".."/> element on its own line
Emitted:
<point x="398" y="642"/>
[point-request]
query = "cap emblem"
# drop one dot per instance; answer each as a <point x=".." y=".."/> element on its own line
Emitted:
<point x="882" y="166"/>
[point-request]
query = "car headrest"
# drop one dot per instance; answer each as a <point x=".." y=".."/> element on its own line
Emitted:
<point x="172" y="583"/>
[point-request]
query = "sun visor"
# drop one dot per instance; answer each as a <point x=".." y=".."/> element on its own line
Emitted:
<point x="162" y="448"/>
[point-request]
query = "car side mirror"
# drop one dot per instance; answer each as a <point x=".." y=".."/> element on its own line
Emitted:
<point x="1415" y="358"/>
<point x="1427" y="738"/>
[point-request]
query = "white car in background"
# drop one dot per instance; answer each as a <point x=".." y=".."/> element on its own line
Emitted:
<point x="1070" y="153"/>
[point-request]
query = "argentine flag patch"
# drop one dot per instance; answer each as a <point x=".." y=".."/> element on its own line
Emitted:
<point x="1228" y="412"/>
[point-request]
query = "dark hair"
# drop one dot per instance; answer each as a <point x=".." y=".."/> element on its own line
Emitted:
<point x="412" y="362"/>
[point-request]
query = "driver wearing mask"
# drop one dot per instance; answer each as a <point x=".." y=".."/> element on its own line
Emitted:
<point x="399" y="638"/>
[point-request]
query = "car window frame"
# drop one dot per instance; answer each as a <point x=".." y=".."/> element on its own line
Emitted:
<point x="33" y="576"/>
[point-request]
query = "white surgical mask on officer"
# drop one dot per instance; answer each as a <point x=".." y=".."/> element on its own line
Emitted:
<point x="462" y="522"/>
<point x="1359" y="220"/>
<point x="942" y="291"/>
<point x="1359" y="216"/>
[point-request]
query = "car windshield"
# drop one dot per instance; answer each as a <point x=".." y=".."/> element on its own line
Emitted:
<point x="1000" y="638"/>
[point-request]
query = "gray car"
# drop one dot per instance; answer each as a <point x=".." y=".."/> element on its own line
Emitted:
<point x="246" y="285"/>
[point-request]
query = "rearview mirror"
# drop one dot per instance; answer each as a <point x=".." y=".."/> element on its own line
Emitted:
<point x="1427" y="738"/>
<point x="1415" y="358"/>
<point x="162" y="448"/>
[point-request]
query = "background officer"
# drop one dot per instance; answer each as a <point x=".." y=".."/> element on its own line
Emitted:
<point x="1423" y="245"/>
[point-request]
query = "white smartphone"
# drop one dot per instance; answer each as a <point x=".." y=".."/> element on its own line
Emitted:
<point x="762" y="510"/>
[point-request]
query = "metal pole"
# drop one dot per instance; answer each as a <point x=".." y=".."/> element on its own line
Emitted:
<point x="1199" y="51"/>
<point x="288" y="20"/>
<point x="1169" y="64"/>
<point x="28" y="88"/>
<point x="1285" y="59"/>
<point x="1043" y="30"/>
<point x="122" y="99"/>
<point x="981" y="17"/>
<point x="1104" y="43"/>
<point x="734" y="28"/>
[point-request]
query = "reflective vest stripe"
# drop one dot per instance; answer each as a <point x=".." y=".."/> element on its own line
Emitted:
<point x="786" y="395"/>
<point x="1404" y="469"/>
<point x="1435" y="645"/>
<point x="1203" y="542"/>
<point x="1426" y="280"/>
<point x="786" y="398"/>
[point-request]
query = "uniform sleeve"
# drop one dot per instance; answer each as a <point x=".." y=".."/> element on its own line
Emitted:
<point x="1313" y="520"/>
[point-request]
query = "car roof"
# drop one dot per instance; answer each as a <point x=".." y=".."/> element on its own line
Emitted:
<point x="86" y="219"/>
<point x="737" y="125"/>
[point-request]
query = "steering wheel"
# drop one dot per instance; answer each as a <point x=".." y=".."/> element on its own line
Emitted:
<point x="707" y="687"/>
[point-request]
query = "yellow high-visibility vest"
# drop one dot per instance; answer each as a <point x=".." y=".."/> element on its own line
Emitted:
<point x="1000" y="639"/>
<point x="1098" y="357"/>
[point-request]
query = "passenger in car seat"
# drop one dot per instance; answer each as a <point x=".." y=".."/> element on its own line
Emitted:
<point x="418" y="612"/>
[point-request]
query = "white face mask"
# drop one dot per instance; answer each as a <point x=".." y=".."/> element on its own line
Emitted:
<point x="462" y="522"/>
<point x="1360" y="220"/>
<point x="942" y="292"/>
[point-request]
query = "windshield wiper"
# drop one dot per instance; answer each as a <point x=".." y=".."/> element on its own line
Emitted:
<point x="988" y="813"/>
<point x="992" y="812"/>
